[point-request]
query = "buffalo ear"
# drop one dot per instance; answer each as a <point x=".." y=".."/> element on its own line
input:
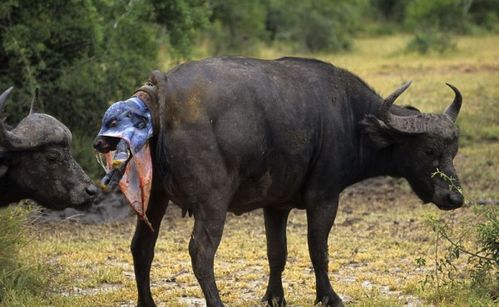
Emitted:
<point x="379" y="133"/>
<point x="157" y="78"/>
<point x="3" y="169"/>
<point x="3" y="163"/>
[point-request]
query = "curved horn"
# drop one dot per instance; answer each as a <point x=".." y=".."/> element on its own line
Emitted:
<point x="3" y="99"/>
<point x="4" y="96"/>
<point x="33" y="101"/>
<point x="406" y="124"/>
<point x="388" y="102"/>
<point x="452" y="111"/>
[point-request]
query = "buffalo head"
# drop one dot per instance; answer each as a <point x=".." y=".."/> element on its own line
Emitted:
<point x="36" y="163"/>
<point x="421" y="148"/>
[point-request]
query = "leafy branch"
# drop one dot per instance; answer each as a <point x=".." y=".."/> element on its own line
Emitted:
<point x="451" y="181"/>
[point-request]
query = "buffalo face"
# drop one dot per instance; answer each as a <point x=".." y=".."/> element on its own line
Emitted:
<point x="36" y="163"/>
<point x="422" y="148"/>
<point x="426" y="162"/>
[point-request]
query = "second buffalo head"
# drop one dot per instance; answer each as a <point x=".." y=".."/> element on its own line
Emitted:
<point x="36" y="163"/>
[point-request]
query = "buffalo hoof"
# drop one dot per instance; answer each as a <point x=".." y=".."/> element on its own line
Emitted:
<point x="329" y="301"/>
<point x="146" y="303"/>
<point x="273" y="301"/>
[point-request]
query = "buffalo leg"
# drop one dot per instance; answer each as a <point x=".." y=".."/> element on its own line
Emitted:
<point x="320" y="219"/>
<point x="275" y="230"/>
<point x="142" y="247"/>
<point x="204" y="242"/>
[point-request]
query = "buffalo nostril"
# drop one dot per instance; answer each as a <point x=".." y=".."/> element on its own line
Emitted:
<point x="91" y="190"/>
<point x="456" y="199"/>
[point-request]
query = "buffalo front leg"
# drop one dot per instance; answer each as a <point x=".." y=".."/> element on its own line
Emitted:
<point x="204" y="242"/>
<point x="275" y="231"/>
<point x="320" y="219"/>
<point x="142" y="247"/>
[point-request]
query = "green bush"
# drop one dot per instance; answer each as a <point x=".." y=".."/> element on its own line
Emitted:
<point x="391" y="10"/>
<point x="236" y="26"/>
<point x="318" y="25"/>
<point x="446" y="15"/>
<point x="485" y="14"/>
<point x="425" y="40"/>
<point x="433" y="22"/>
<point x="181" y="20"/>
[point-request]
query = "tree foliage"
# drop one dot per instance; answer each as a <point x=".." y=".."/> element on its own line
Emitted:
<point x="314" y="25"/>
<point x="82" y="55"/>
<point x="237" y="26"/>
<point x="181" y="20"/>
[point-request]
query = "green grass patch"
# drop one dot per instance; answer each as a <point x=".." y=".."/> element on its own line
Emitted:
<point x="22" y="279"/>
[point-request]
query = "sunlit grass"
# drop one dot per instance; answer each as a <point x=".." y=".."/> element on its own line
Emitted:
<point x="375" y="241"/>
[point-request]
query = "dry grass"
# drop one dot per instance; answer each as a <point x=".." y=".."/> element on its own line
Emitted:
<point x="378" y="235"/>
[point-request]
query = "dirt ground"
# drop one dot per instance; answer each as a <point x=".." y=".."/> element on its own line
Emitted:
<point x="379" y="233"/>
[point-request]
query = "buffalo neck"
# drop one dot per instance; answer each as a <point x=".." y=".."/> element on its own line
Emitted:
<point x="8" y="193"/>
<point x="363" y="159"/>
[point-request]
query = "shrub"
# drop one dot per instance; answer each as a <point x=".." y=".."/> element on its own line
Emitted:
<point x="314" y="26"/>
<point x="237" y="26"/>
<point x="181" y="19"/>
<point x="485" y="14"/>
<point x="392" y="10"/>
<point x="425" y="40"/>
<point x="433" y="22"/>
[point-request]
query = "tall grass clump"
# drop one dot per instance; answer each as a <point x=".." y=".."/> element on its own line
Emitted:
<point x="21" y="281"/>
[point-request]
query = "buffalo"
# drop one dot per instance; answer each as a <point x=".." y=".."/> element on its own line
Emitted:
<point x="234" y="134"/>
<point x="36" y="163"/>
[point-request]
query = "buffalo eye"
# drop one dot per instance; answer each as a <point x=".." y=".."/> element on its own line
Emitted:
<point x="429" y="152"/>
<point x="53" y="156"/>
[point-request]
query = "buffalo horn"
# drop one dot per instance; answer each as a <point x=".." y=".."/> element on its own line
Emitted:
<point x="3" y="99"/>
<point x="5" y="135"/>
<point x="453" y="110"/>
<point x="406" y="124"/>
<point x="4" y="96"/>
<point x="388" y="102"/>
<point x="33" y="102"/>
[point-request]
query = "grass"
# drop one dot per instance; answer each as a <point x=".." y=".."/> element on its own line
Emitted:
<point x="380" y="232"/>
<point x="21" y="279"/>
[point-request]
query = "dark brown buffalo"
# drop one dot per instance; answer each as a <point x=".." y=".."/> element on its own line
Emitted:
<point x="236" y="134"/>
<point x="36" y="163"/>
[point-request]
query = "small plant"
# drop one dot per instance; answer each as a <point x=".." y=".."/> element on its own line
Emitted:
<point x="465" y="258"/>
<point x="451" y="181"/>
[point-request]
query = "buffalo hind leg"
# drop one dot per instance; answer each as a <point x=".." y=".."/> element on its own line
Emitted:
<point x="275" y="230"/>
<point x="142" y="247"/>
<point x="204" y="242"/>
<point x="320" y="219"/>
